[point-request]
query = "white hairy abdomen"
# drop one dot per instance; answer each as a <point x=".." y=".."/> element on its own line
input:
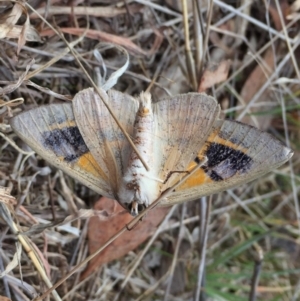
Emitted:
<point x="140" y="186"/>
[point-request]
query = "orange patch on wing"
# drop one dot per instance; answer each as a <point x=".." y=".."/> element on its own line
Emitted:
<point x="214" y="137"/>
<point x="88" y="164"/>
<point x="197" y="179"/>
<point x="66" y="123"/>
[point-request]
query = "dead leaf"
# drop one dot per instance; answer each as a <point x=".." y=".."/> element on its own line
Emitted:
<point x="10" y="20"/>
<point x="101" y="230"/>
<point x="214" y="74"/>
<point x="285" y="8"/>
<point x="9" y="29"/>
<point x="253" y="84"/>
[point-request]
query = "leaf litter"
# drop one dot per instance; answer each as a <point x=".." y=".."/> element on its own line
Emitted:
<point x="249" y="35"/>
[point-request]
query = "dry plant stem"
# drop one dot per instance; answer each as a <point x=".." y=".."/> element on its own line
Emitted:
<point x="248" y="210"/>
<point x="129" y="226"/>
<point x="175" y="256"/>
<point x="292" y="174"/>
<point x="234" y="35"/>
<point x="242" y="22"/>
<point x="154" y="287"/>
<point x="46" y="13"/>
<point x="198" y="37"/>
<point x="146" y="248"/>
<point x="282" y="204"/>
<point x="159" y="68"/>
<point x="247" y="63"/>
<point x="296" y="295"/>
<point x="205" y="212"/>
<point x="267" y="83"/>
<point x="232" y="14"/>
<point x="291" y="51"/>
<point x="129" y="16"/>
<point x="5" y="280"/>
<point x="158" y="7"/>
<point x="75" y="288"/>
<point x="28" y="248"/>
<point x="54" y="60"/>
<point x="287" y="39"/>
<point x="255" y="276"/>
<point x="246" y="202"/>
<point x="48" y="91"/>
<point x="252" y="20"/>
<point x="233" y="233"/>
<point x="14" y="145"/>
<point x="17" y="291"/>
<point x="251" y="59"/>
<point x="80" y="245"/>
<point x="100" y="11"/>
<point x="38" y="51"/>
<point x="188" y="53"/>
<point x="144" y="251"/>
<point x="16" y="102"/>
<point x="206" y="36"/>
<point x="57" y="58"/>
<point x="226" y="209"/>
<point x="57" y="284"/>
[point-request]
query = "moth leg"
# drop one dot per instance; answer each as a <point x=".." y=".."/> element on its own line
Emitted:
<point x="173" y="172"/>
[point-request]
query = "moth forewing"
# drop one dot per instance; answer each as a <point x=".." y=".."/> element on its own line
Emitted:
<point x="100" y="132"/>
<point x="51" y="131"/>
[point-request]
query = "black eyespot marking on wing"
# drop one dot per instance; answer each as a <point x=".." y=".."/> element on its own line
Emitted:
<point x="224" y="162"/>
<point x="212" y="174"/>
<point x="66" y="142"/>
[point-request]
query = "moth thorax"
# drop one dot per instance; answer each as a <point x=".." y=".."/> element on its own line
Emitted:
<point x="139" y="186"/>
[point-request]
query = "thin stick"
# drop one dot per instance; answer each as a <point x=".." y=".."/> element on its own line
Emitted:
<point x="138" y="260"/>
<point x="205" y="210"/>
<point x="267" y="83"/>
<point x="176" y="252"/>
<point x="255" y="276"/>
<point x="208" y="22"/>
<point x="25" y="242"/>
<point x="57" y="58"/>
<point x="198" y="38"/>
<point x="159" y="68"/>
<point x="188" y="53"/>
<point x="284" y="118"/>
<point x="252" y="20"/>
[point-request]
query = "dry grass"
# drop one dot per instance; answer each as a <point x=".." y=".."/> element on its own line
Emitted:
<point x="206" y="247"/>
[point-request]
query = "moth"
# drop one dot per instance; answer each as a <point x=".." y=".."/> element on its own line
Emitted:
<point x="172" y="135"/>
